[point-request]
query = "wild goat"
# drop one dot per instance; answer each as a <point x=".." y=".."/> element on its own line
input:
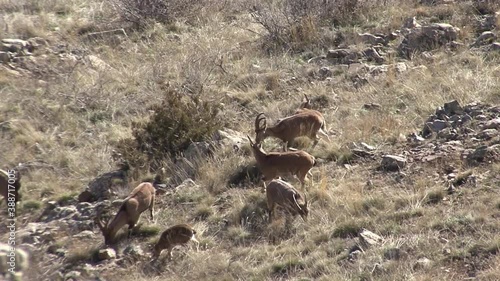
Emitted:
<point x="274" y="164"/>
<point x="306" y="123"/>
<point x="176" y="235"/>
<point x="139" y="200"/>
<point x="281" y="193"/>
<point x="10" y="185"/>
<point x="305" y="105"/>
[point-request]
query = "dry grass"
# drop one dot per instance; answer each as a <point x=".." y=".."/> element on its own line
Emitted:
<point x="70" y="113"/>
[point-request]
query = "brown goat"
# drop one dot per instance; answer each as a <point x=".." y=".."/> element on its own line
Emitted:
<point x="281" y="193"/>
<point x="139" y="200"/>
<point x="176" y="235"/>
<point x="10" y="184"/>
<point x="306" y="123"/>
<point x="274" y="164"/>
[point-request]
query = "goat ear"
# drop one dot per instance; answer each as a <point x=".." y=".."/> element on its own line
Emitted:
<point x="306" y="99"/>
<point x="251" y="143"/>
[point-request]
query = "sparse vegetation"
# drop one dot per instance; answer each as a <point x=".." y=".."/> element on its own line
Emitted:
<point x="98" y="82"/>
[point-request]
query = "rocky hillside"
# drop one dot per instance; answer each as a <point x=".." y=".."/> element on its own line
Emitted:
<point x="99" y="96"/>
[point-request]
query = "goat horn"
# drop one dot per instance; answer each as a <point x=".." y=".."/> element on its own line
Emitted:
<point x="98" y="221"/>
<point x="251" y="142"/>
<point x="295" y="200"/>
<point x="257" y="121"/>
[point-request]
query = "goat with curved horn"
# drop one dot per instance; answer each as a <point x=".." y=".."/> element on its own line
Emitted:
<point x="306" y="123"/>
<point x="274" y="164"/>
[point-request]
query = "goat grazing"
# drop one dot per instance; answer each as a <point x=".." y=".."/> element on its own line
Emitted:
<point x="176" y="235"/>
<point x="274" y="164"/>
<point x="281" y="193"/>
<point x="10" y="185"/>
<point x="139" y="200"/>
<point x="306" y="123"/>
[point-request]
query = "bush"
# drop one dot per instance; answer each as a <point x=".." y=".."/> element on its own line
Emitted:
<point x="177" y="122"/>
<point x="295" y="24"/>
<point x="143" y="12"/>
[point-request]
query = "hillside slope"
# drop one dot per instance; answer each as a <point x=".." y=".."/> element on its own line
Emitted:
<point x="98" y="96"/>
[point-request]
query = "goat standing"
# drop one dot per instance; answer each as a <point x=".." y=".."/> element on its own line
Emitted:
<point x="139" y="200"/>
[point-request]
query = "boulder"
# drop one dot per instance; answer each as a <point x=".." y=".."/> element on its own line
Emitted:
<point x="393" y="163"/>
<point x="106" y="254"/>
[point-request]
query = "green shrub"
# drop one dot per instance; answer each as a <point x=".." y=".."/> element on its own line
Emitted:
<point x="177" y="122"/>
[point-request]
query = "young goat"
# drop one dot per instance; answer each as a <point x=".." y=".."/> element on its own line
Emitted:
<point x="306" y="123"/>
<point x="274" y="164"/>
<point x="281" y="193"/>
<point x="138" y="201"/>
<point x="176" y="235"/>
<point x="10" y="179"/>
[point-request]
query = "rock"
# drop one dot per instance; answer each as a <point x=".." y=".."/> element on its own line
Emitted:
<point x="106" y="254"/>
<point x="325" y="72"/>
<point x="495" y="46"/>
<point x="197" y="150"/>
<point x="368" y="238"/>
<point x="371" y="39"/>
<point x="188" y="183"/>
<point x="422" y="263"/>
<point x="372" y="55"/>
<point x="393" y="163"/>
<point x="372" y="106"/>
<point x="367" y="146"/>
<point x="493" y="124"/>
<point x="5" y="57"/>
<point x="72" y="275"/>
<point x="427" y="38"/>
<point x="400" y="67"/>
<point x="485" y="38"/>
<point x="86" y="196"/>
<point x="133" y="251"/>
<point x="487" y="134"/>
<point x="482" y="153"/>
<point x="231" y="138"/>
<point x="453" y="107"/>
<point x="338" y="53"/>
<point x="103" y="187"/>
<point x="435" y="126"/>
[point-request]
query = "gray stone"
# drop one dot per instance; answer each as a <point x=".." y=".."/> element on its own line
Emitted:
<point x="338" y="53"/>
<point x="453" y="107"/>
<point x="368" y="238"/>
<point x="485" y="38"/>
<point x="231" y="138"/>
<point x="5" y="57"/>
<point x="325" y="72"/>
<point x="133" y="251"/>
<point x="106" y="254"/>
<point x="188" y="183"/>
<point x="493" y="124"/>
<point x="393" y="163"/>
<point x="371" y="39"/>
<point x="495" y="46"/>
